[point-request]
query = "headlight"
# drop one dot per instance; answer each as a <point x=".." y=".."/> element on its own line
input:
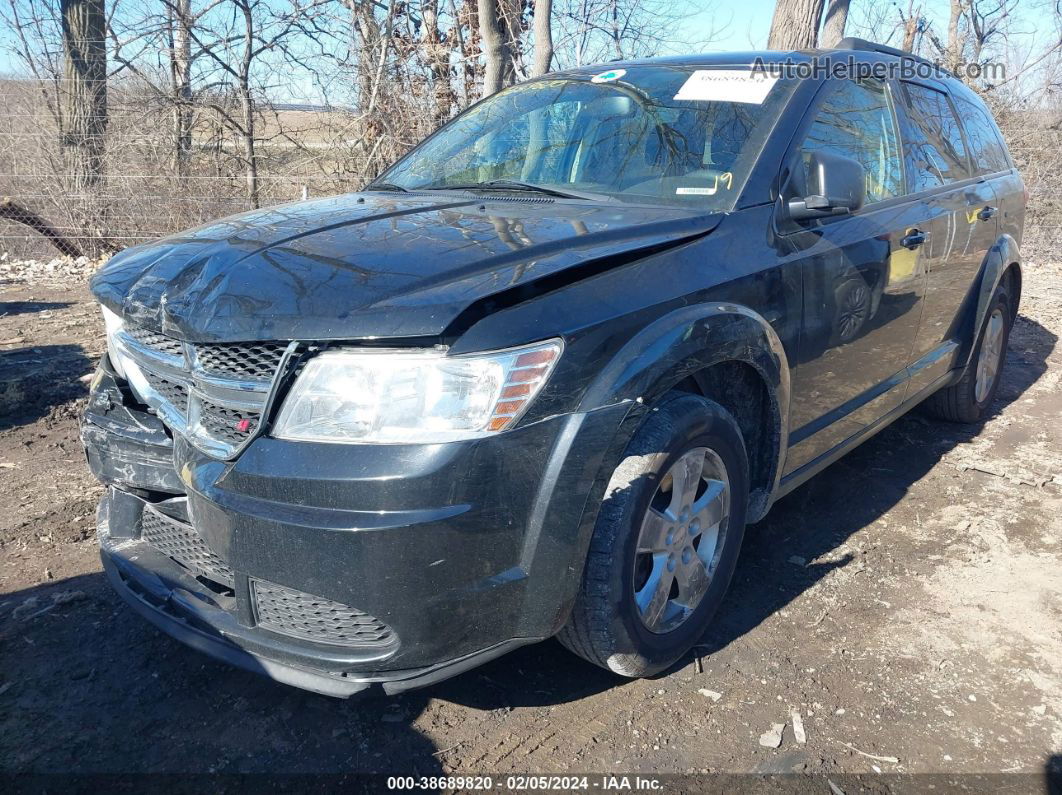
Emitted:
<point x="112" y="323"/>
<point x="381" y="397"/>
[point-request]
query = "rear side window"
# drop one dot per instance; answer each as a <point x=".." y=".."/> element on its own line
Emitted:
<point x="934" y="146"/>
<point x="856" y="121"/>
<point x="987" y="152"/>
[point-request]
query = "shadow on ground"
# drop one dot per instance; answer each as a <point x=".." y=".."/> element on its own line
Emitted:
<point x="90" y="687"/>
<point x="35" y="380"/>
<point x="8" y="308"/>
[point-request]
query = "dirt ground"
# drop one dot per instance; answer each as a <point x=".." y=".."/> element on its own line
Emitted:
<point x="907" y="602"/>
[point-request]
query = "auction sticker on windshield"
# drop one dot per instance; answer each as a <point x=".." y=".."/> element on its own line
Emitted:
<point x="727" y="85"/>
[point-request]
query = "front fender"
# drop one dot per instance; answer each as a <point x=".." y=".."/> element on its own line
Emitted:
<point x="690" y="339"/>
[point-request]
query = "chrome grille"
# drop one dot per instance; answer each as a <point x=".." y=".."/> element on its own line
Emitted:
<point x="155" y="341"/>
<point x="232" y="426"/>
<point x="215" y="394"/>
<point x="241" y="360"/>
<point x="180" y="541"/>
<point x="303" y="615"/>
<point x="171" y="391"/>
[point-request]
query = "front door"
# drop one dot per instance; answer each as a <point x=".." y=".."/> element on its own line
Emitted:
<point x="863" y="277"/>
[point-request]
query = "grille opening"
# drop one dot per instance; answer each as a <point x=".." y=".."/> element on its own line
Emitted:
<point x="155" y="341"/>
<point x="297" y="614"/>
<point x="180" y="542"/>
<point x="231" y="426"/>
<point x="241" y="359"/>
<point x="172" y="392"/>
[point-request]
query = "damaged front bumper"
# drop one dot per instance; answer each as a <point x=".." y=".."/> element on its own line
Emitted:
<point x="178" y="603"/>
<point x="335" y="568"/>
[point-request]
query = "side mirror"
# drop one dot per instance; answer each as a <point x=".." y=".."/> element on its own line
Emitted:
<point x="836" y="186"/>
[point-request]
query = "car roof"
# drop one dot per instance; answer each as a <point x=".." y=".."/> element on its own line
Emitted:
<point x="858" y="49"/>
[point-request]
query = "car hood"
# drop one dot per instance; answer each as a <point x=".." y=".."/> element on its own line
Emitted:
<point x="375" y="265"/>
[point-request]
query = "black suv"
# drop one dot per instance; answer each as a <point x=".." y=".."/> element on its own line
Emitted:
<point x="536" y="378"/>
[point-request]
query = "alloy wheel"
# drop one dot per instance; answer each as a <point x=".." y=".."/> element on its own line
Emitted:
<point x="681" y="539"/>
<point x="991" y="356"/>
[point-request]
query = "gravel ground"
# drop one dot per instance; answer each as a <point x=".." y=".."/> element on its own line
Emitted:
<point x="906" y="604"/>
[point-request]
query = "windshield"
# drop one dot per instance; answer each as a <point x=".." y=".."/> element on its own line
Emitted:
<point x="659" y="134"/>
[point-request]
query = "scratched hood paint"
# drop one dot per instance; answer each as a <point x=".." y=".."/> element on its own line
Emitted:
<point x="369" y="265"/>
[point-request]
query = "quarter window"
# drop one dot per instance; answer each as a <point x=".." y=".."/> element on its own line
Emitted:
<point x="935" y="151"/>
<point x="987" y="153"/>
<point x="856" y="121"/>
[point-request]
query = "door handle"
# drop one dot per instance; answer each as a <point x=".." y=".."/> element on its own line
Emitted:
<point x="986" y="213"/>
<point x="913" y="239"/>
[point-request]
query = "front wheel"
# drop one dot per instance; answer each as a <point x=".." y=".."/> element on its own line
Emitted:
<point x="666" y="540"/>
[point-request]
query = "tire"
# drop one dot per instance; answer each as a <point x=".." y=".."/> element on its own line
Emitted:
<point x="607" y="626"/>
<point x="969" y="399"/>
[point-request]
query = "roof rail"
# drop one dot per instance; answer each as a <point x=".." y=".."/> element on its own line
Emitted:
<point x="852" y="43"/>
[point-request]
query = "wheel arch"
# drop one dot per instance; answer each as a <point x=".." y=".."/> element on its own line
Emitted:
<point x="725" y="352"/>
<point x="1002" y="265"/>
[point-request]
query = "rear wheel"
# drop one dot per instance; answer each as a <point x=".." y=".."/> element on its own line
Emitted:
<point x="969" y="399"/>
<point x="666" y="541"/>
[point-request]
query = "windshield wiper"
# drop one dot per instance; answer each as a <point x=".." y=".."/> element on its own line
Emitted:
<point x="512" y="184"/>
<point x="386" y="186"/>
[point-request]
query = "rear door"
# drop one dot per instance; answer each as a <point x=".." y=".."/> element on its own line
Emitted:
<point x="862" y="285"/>
<point x="963" y="227"/>
<point x="990" y="161"/>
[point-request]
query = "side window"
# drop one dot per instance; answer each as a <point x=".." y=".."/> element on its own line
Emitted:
<point x="986" y="145"/>
<point x="934" y="146"/>
<point x="856" y="121"/>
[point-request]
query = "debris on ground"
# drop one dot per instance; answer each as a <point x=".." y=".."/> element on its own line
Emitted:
<point x="798" y="727"/>
<point x="890" y="759"/>
<point x="772" y="738"/>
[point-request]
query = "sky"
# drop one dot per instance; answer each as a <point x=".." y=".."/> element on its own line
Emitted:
<point x="722" y="25"/>
<point x="744" y="24"/>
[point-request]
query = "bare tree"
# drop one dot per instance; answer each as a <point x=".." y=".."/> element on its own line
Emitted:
<point x="912" y="23"/>
<point x="216" y="105"/>
<point x="795" y="24"/>
<point x="543" y="36"/>
<point x="84" y="92"/>
<point x="497" y="53"/>
<point x="833" y="26"/>
<point x="180" y="21"/>
<point x="437" y="47"/>
<point x="593" y="31"/>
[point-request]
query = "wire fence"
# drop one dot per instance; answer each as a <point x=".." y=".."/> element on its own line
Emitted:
<point x="150" y="186"/>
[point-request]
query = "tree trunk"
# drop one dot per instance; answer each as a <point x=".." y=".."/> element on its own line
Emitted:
<point x="543" y="36"/>
<point x="833" y="27"/>
<point x="954" y="54"/>
<point x="181" y="74"/>
<point x="910" y="26"/>
<point x="437" y="56"/>
<point x="250" y="155"/>
<point x="84" y="107"/>
<point x="496" y="54"/>
<point x="23" y="215"/>
<point x="795" y="25"/>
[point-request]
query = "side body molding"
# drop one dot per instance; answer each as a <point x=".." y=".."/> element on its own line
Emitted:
<point x="686" y="341"/>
